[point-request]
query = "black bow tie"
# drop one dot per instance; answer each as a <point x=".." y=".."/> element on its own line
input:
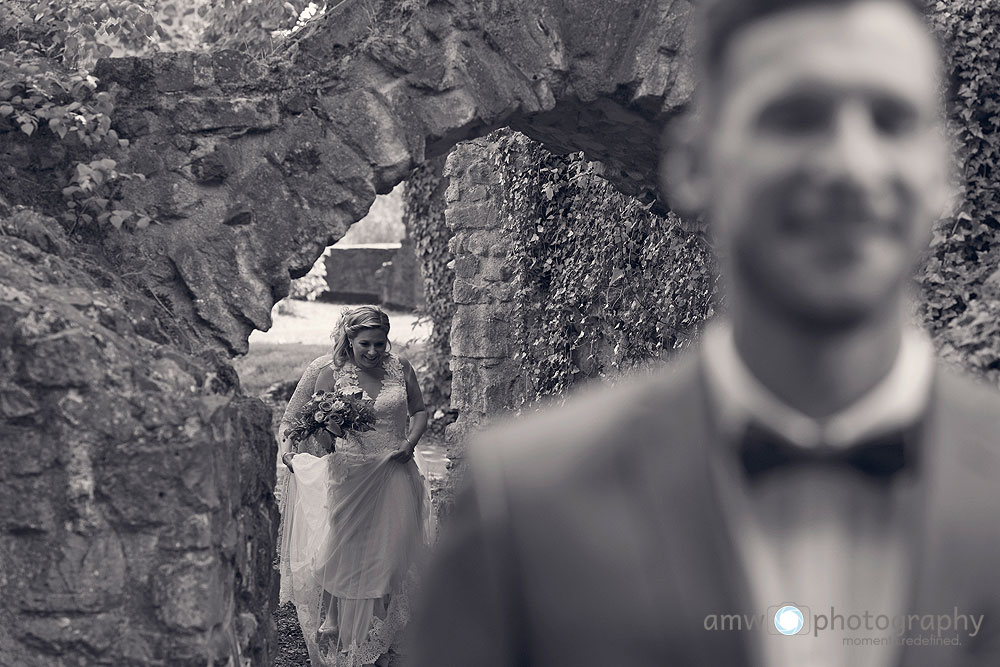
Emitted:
<point x="763" y="450"/>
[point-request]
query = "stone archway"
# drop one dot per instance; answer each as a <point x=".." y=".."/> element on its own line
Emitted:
<point x="141" y="520"/>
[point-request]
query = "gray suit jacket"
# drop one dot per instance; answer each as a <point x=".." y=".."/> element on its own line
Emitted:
<point x="590" y="535"/>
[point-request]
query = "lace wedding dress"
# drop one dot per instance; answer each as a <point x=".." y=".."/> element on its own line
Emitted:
<point x="354" y="523"/>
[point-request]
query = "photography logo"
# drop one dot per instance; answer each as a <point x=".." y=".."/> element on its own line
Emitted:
<point x="789" y="619"/>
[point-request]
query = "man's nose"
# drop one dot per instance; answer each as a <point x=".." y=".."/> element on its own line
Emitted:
<point x="856" y="155"/>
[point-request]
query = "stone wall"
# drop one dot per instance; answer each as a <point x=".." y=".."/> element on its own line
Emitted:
<point x="383" y="273"/>
<point x="485" y="381"/>
<point x="351" y="271"/>
<point x="137" y="501"/>
<point x="401" y="280"/>
<point x="138" y="523"/>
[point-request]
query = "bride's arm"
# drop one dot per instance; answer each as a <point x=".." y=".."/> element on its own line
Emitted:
<point x="325" y="380"/>
<point x="303" y="392"/>
<point x="415" y="406"/>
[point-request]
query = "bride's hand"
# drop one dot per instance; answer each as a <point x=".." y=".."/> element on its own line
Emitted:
<point x="404" y="454"/>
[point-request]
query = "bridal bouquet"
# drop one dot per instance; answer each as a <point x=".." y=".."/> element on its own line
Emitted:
<point x="338" y="411"/>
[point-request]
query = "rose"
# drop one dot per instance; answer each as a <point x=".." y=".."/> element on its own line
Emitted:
<point x="326" y="406"/>
<point x="339" y="406"/>
<point x="320" y="417"/>
<point x="336" y="418"/>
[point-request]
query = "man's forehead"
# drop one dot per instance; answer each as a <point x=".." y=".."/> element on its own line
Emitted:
<point x="874" y="42"/>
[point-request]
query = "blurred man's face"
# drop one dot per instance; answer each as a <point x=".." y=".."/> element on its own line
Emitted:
<point x="824" y="159"/>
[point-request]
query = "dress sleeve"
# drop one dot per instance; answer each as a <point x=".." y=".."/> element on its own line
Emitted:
<point x="303" y="392"/>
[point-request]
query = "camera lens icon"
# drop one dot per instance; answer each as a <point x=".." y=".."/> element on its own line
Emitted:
<point x="788" y="620"/>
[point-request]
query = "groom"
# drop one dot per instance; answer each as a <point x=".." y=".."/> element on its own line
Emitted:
<point x="809" y="487"/>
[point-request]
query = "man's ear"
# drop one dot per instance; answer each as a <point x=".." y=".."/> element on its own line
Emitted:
<point x="683" y="175"/>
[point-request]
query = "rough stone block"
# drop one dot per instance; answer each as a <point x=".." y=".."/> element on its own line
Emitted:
<point x="16" y="402"/>
<point x="215" y="167"/>
<point x="231" y="66"/>
<point x="466" y="266"/>
<point x="495" y="269"/>
<point x="189" y="595"/>
<point x="195" y="532"/>
<point x="487" y="242"/>
<point x="471" y="216"/>
<point x="174" y="72"/>
<point x="22" y="518"/>
<point x="216" y="113"/>
<point x="366" y="122"/>
<point x="88" y="575"/>
<point x="203" y="70"/>
<point x="485" y="387"/>
<point x="480" y="331"/>
<point x="501" y="292"/>
<point x="465" y="292"/>
<point x="350" y="271"/>
<point x="94" y="634"/>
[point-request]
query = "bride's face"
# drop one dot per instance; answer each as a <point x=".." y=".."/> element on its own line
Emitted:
<point x="369" y="347"/>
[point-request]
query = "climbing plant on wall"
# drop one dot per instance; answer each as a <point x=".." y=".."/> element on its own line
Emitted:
<point x="961" y="279"/>
<point x="51" y="105"/>
<point x="423" y="218"/>
<point x="603" y="282"/>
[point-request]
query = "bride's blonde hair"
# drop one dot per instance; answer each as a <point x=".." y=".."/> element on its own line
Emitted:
<point x="352" y="322"/>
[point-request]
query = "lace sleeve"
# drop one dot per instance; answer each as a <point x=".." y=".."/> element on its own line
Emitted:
<point x="303" y="392"/>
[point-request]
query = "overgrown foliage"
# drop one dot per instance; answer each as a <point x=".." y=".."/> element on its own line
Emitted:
<point x="49" y="101"/>
<point x="584" y="251"/>
<point x="255" y="27"/>
<point x="961" y="279"/>
<point x="603" y="283"/>
<point x="423" y="216"/>
<point x="312" y="285"/>
<point x="49" y="107"/>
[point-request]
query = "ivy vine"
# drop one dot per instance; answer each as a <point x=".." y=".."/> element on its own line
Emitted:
<point x="50" y="100"/>
<point x="603" y="283"/>
<point x="960" y="280"/>
<point x="423" y="217"/>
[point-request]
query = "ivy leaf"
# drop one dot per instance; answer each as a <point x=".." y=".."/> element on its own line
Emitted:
<point x="58" y="126"/>
<point x="119" y="217"/>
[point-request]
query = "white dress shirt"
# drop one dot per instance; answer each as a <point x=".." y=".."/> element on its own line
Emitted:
<point x="827" y="539"/>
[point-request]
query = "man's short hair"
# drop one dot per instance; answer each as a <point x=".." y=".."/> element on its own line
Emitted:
<point x="722" y="19"/>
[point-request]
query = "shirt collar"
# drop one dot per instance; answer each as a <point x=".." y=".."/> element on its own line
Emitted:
<point x="897" y="400"/>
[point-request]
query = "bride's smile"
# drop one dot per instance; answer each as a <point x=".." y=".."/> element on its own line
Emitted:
<point x="369" y="348"/>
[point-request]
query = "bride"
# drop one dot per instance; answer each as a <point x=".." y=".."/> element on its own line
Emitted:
<point x="354" y="521"/>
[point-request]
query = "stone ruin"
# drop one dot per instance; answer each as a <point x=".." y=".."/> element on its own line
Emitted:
<point x="139" y="520"/>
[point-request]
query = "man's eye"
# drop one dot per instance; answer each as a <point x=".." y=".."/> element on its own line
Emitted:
<point x="893" y="117"/>
<point x="796" y="115"/>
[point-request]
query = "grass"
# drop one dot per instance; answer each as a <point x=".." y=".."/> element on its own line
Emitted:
<point x="267" y="363"/>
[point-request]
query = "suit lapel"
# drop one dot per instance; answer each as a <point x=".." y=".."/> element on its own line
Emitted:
<point x="699" y="573"/>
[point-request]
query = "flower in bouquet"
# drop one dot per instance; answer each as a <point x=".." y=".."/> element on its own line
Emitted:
<point x="338" y="412"/>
